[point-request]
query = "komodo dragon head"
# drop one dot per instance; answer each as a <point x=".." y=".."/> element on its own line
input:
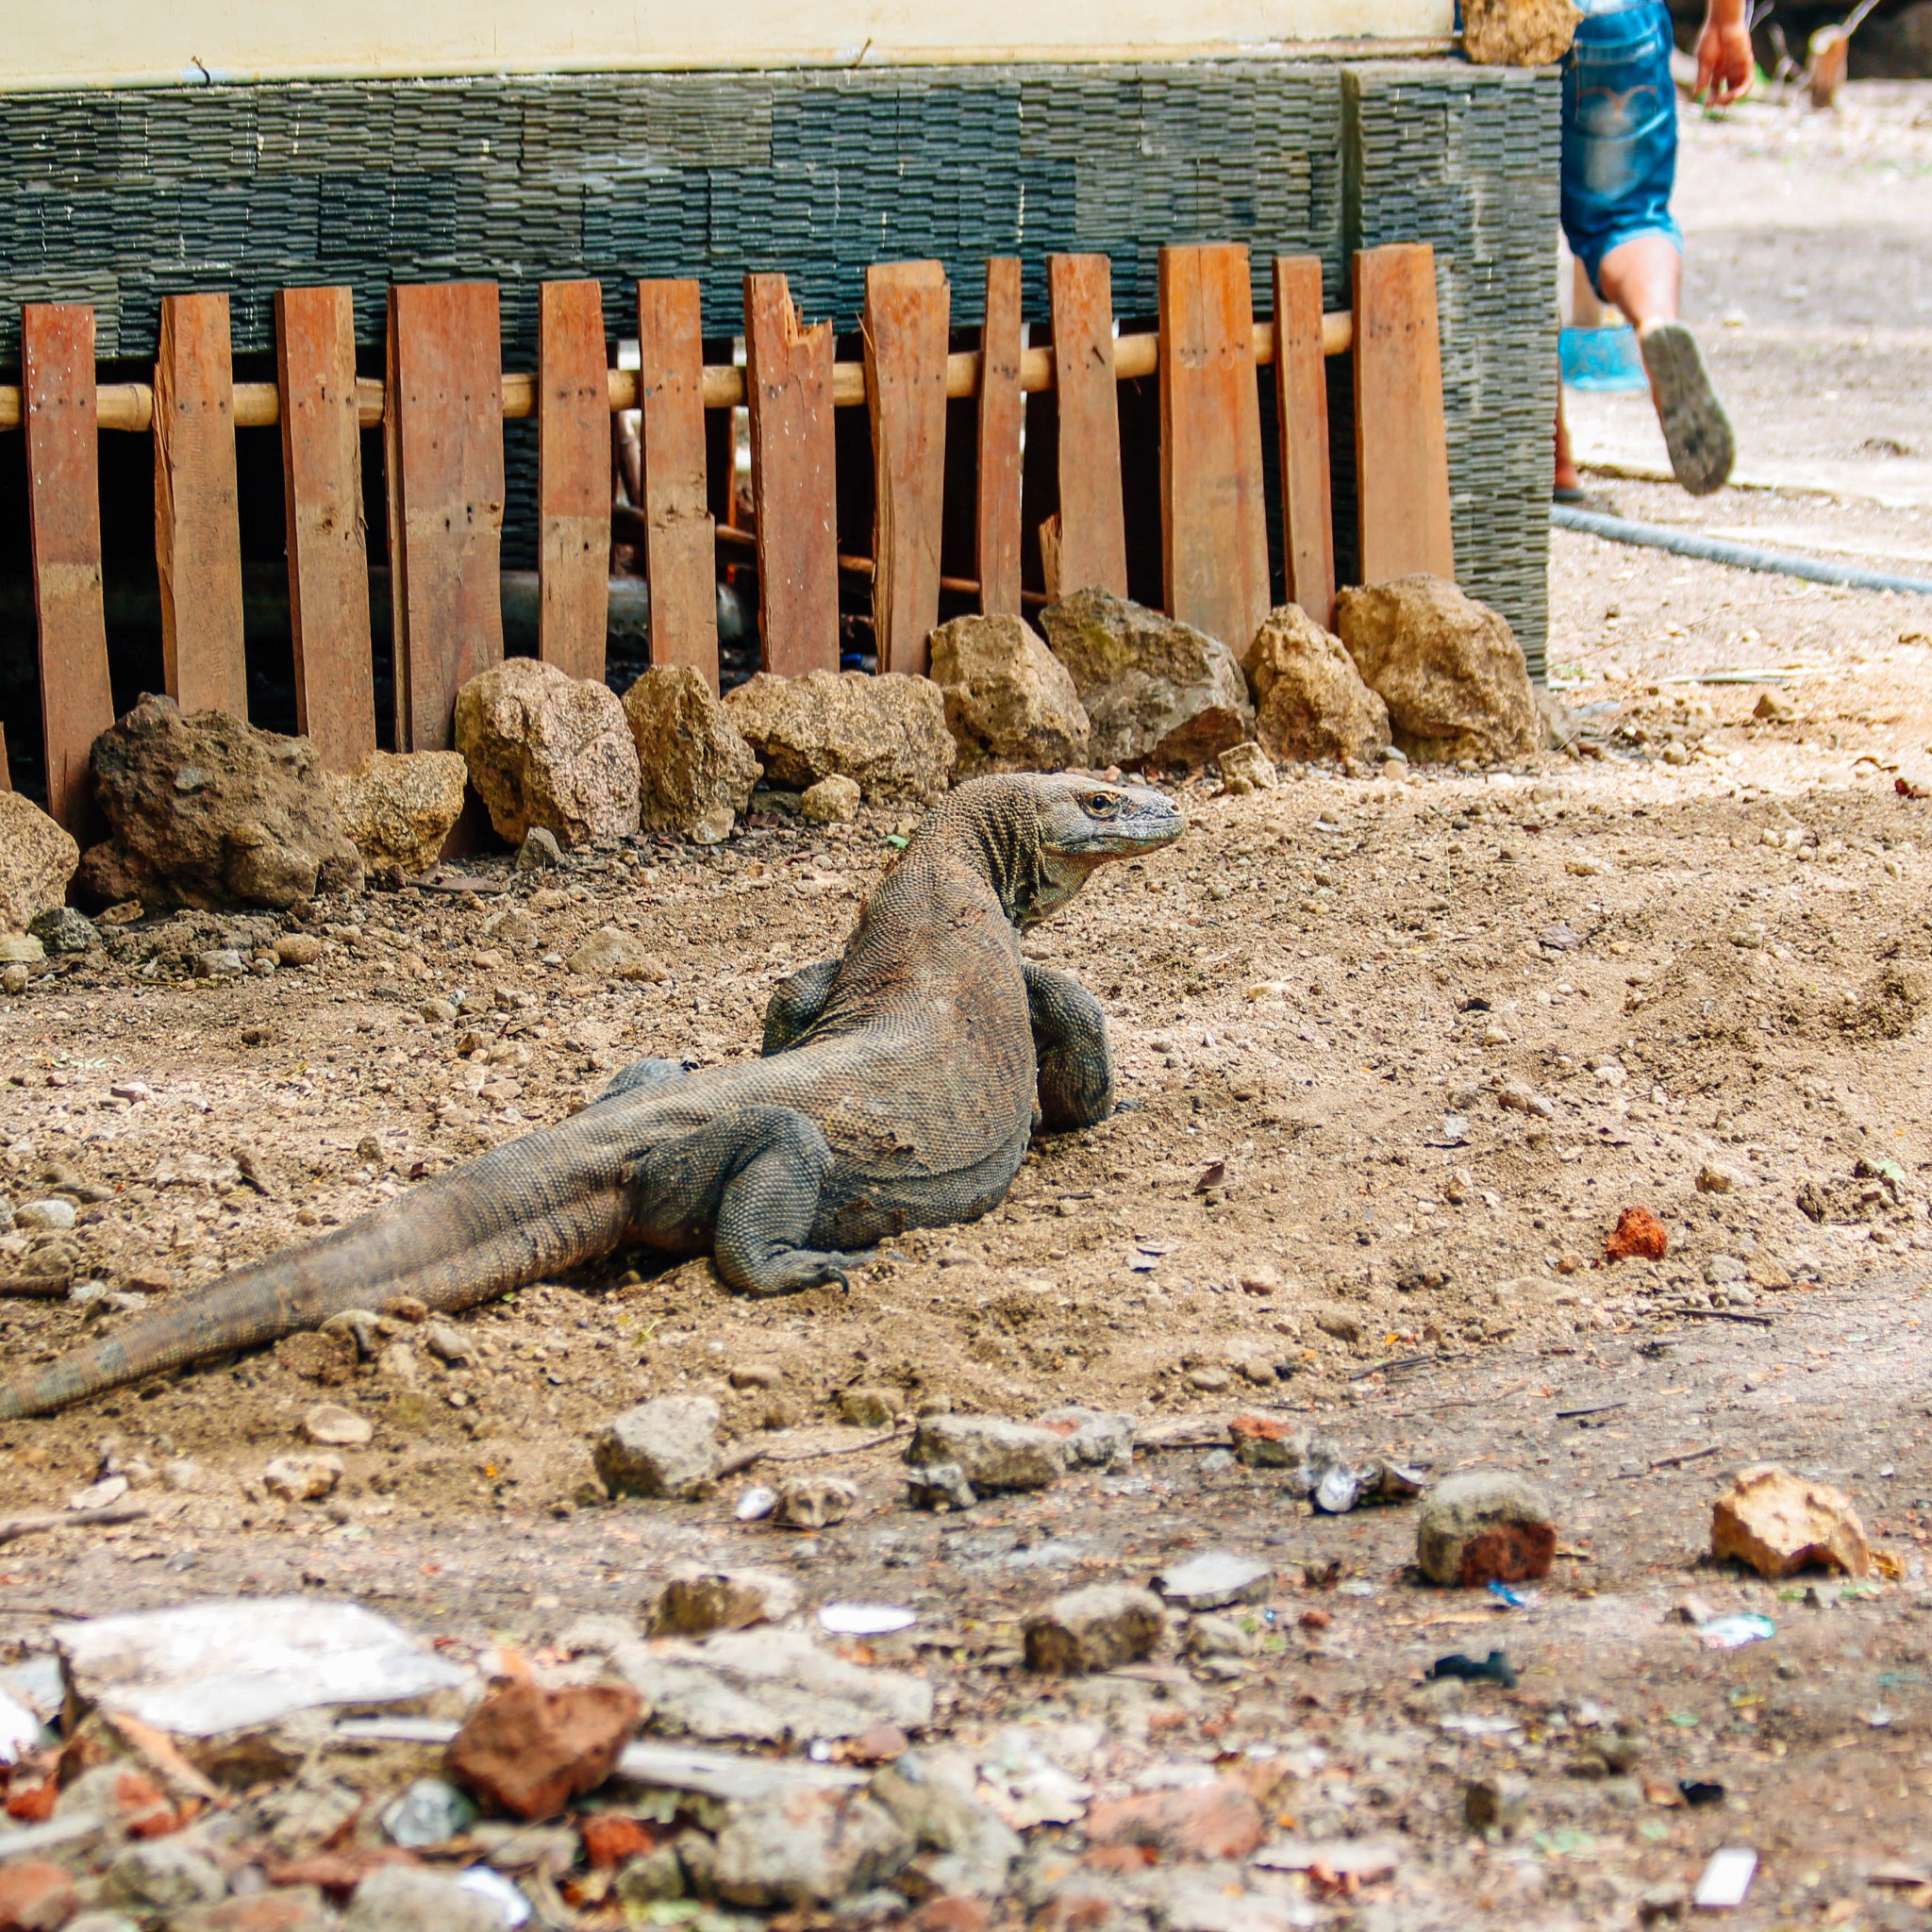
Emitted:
<point x="1042" y="836"/>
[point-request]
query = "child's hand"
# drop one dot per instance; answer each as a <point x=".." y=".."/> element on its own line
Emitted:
<point x="1725" y="61"/>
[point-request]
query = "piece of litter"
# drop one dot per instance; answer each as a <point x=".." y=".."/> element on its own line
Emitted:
<point x="20" y="1731"/>
<point x="1493" y="1668"/>
<point x="202" y="1668"/>
<point x="1477" y="1723"/>
<point x="1727" y="1878"/>
<point x="865" y="1620"/>
<point x="1510" y="1599"/>
<point x="1733" y="1633"/>
<point x="1363" y="1860"/>
<point x="755" y="1504"/>
<point x="493" y="1885"/>
<point x="1213" y="1580"/>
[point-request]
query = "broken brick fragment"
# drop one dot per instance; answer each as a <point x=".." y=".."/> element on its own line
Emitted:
<point x="529" y="1751"/>
<point x="1638" y="1234"/>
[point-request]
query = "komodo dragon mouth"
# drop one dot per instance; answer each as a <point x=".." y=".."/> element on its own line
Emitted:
<point x="930" y="1026"/>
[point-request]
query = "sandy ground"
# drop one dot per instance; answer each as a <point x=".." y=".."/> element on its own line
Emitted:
<point x="1398" y="1051"/>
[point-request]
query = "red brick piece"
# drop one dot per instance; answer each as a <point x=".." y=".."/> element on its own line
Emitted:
<point x="611" y="1840"/>
<point x="35" y="1898"/>
<point x="1217" y="1821"/>
<point x="530" y="1751"/>
<point x="1637" y="1233"/>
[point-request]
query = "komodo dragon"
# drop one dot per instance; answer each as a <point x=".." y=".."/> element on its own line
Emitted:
<point x="898" y="1089"/>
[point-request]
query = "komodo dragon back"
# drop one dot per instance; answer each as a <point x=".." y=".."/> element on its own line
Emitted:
<point x="897" y="1087"/>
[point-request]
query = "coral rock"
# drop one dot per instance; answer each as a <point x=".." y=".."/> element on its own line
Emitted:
<point x="1010" y="703"/>
<point x="1449" y="669"/>
<point x="1309" y="699"/>
<point x="1156" y="691"/>
<point x="399" y="807"/>
<point x="888" y="733"/>
<point x="698" y="769"/>
<point x="207" y="811"/>
<point x="548" y="750"/>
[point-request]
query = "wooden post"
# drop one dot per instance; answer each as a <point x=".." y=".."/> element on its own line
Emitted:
<point x="573" y="478"/>
<point x="197" y="508"/>
<point x="680" y="544"/>
<point x="1090" y="539"/>
<point x="1213" y="513"/>
<point x="1402" y="445"/>
<point x="443" y="431"/>
<point x="907" y="309"/>
<point x="1001" y="408"/>
<point x="789" y="385"/>
<point x="328" y="545"/>
<point x="64" y="501"/>
<point x="5" y="775"/>
<point x="1301" y="398"/>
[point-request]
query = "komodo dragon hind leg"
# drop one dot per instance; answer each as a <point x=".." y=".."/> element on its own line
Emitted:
<point x="753" y="1180"/>
<point x="1070" y="1043"/>
<point x="796" y="1002"/>
<point x="642" y="1074"/>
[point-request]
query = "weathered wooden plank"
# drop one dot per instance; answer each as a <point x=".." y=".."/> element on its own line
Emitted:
<point x="1001" y="415"/>
<point x="1402" y="445"/>
<point x="789" y="384"/>
<point x="573" y="478"/>
<point x="1213" y="512"/>
<point x="197" y="509"/>
<point x="908" y="311"/>
<point x="64" y="497"/>
<point x="444" y="427"/>
<point x="680" y="548"/>
<point x="329" y="545"/>
<point x="1301" y="407"/>
<point x="1091" y="530"/>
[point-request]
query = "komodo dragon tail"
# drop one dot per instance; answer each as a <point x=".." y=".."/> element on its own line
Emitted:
<point x="546" y="1201"/>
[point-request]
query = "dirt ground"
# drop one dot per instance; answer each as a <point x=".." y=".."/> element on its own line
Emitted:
<point x="1397" y="1050"/>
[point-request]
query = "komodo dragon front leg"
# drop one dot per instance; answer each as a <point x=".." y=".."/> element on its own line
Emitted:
<point x="1070" y="1043"/>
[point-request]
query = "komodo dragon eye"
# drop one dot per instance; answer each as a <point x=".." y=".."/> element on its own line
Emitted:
<point x="1102" y="805"/>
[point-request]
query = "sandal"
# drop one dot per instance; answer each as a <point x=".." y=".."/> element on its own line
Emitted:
<point x="1697" y="432"/>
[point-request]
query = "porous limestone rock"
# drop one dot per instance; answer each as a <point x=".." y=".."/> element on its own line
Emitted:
<point x="888" y="733"/>
<point x="1780" y="1524"/>
<point x="208" y="812"/>
<point x="399" y="807"/>
<point x="1485" y="1526"/>
<point x="1309" y="699"/>
<point x="833" y="801"/>
<point x="546" y="749"/>
<point x="37" y="860"/>
<point x="697" y="771"/>
<point x="1095" y="1629"/>
<point x="1010" y="703"/>
<point x="1518" y="33"/>
<point x="1156" y="691"/>
<point x="992" y="1453"/>
<point x="1246" y="768"/>
<point x="1449" y="669"/>
<point x="666" y="1447"/>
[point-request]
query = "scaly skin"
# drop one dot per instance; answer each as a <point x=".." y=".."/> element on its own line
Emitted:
<point x="898" y="1089"/>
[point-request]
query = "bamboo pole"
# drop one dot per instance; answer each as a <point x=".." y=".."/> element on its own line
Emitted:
<point x="257" y="404"/>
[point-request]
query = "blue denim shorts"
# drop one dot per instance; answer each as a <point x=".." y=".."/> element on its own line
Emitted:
<point x="1619" y="130"/>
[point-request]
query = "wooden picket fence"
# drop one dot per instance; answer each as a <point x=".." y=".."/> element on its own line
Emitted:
<point x="445" y="398"/>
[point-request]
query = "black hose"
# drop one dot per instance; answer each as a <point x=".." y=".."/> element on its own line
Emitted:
<point x="1740" y="556"/>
